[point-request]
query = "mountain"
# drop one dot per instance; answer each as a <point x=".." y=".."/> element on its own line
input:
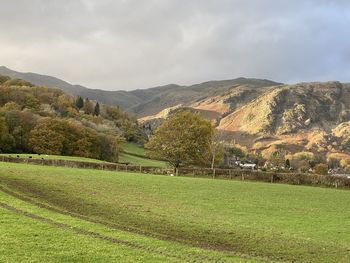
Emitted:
<point x="141" y="102"/>
<point x="261" y="115"/>
<point x="117" y="98"/>
<point x="305" y="117"/>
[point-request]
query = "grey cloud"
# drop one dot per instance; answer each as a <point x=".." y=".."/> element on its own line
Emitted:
<point x="129" y="44"/>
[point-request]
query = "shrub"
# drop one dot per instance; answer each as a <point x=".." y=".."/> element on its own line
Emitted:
<point x="321" y="168"/>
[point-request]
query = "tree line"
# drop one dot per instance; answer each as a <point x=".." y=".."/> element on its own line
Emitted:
<point x="37" y="119"/>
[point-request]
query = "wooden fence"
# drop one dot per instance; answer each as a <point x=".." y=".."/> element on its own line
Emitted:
<point x="230" y="174"/>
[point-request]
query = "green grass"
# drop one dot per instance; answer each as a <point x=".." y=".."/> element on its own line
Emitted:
<point x="54" y="237"/>
<point x="27" y="240"/>
<point x="135" y="154"/>
<point x="278" y="222"/>
<point x="133" y="148"/>
<point x="128" y="158"/>
<point x="123" y="158"/>
<point x="54" y="157"/>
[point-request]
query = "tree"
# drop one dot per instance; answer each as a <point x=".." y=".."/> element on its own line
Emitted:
<point x="185" y="138"/>
<point x="20" y="123"/>
<point x="343" y="163"/>
<point x="79" y="103"/>
<point x="216" y="149"/>
<point x="321" y="168"/>
<point x="46" y="137"/>
<point x="277" y="159"/>
<point x="63" y="104"/>
<point x="97" y="109"/>
<point x="7" y="142"/>
<point x="109" y="148"/>
<point x="287" y="163"/>
<point x="236" y="151"/>
<point x="333" y="162"/>
<point x="10" y="106"/>
<point x="88" y="107"/>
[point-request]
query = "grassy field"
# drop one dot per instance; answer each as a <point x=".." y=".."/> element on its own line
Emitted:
<point x="135" y="154"/>
<point x="54" y="157"/>
<point x="132" y="159"/>
<point x="245" y="219"/>
<point x="33" y="234"/>
<point x="132" y="153"/>
<point x="133" y="148"/>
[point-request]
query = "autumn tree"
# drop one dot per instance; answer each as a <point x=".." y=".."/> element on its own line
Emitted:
<point x="321" y="168"/>
<point x="184" y="139"/>
<point x="277" y="159"/>
<point x="88" y="107"/>
<point x="7" y="142"/>
<point x="20" y="123"/>
<point x="46" y="137"/>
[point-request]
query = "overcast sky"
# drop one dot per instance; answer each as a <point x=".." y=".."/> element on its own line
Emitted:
<point x="129" y="44"/>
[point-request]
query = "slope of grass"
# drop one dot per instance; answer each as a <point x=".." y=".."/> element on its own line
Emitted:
<point x="279" y="222"/>
<point x="135" y="154"/>
<point x="54" y="157"/>
<point x="123" y="158"/>
<point x="133" y="148"/>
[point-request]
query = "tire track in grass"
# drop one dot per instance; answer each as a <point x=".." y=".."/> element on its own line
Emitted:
<point x="200" y="258"/>
<point x="81" y="231"/>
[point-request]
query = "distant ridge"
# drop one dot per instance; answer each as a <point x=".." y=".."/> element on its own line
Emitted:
<point x="117" y="98"/>
<point x="141" y="102"/>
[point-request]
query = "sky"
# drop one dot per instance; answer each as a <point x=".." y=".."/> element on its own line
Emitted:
<point x="130" y="44"/>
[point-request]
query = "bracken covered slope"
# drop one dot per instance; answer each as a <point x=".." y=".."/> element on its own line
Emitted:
<point x="302" y="117"/>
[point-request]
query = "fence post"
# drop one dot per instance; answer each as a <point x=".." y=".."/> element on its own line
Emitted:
<point x="272" y="177"/>
<point x="140" y="168"/>
<point x="176" y="171"/>
<point x="242" y="176"/>
<point x="214" y="173"/>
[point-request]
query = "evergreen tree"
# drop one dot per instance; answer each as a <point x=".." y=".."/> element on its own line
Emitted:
<point x="287" y="163"/>
<point x="79" y="103"/>
<point x="97" y="109"/>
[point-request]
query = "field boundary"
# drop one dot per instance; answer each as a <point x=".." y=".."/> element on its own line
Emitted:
<point x="228" y="174"/>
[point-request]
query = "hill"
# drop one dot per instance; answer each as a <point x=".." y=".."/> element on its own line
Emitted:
<point x="260" y="115"/>
<point x="122" y="99"/>
<point x="305" y="117"/>
<point x="141" y="102"/>
<point x="37" y="119"/>
<point x="172" y="95"/>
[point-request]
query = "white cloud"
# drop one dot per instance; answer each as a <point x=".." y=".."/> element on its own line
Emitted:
<point x="138" y="44"/>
